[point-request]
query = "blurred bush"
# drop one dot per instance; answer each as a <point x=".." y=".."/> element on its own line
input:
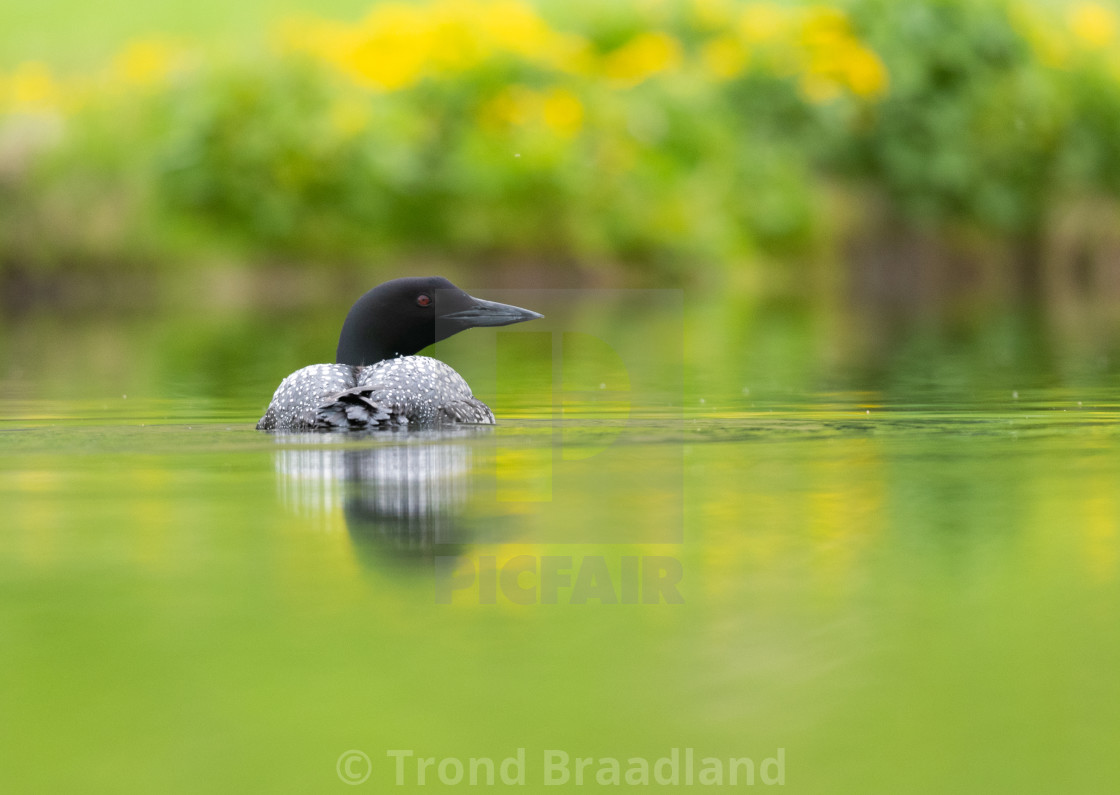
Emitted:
<point x="666" y="136"/>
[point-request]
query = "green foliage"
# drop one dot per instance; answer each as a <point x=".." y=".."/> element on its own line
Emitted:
<point x="668" y="136"/>
<point x="971" y="126"/>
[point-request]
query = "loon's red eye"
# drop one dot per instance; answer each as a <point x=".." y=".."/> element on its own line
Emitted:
<point x="423" y="300"/>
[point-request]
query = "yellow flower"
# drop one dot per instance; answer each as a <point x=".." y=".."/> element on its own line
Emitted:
<point x="642" y="57"/>
<point x="835" y="60"/>
<point x="713" y="13"/>
<point x="1049" y="42"/>
<point x="763" y="21"/>
<point x="390" y="47"/>
<point x="513" y="26"/>
<point x="824" y="25"/>
<point x="398" y="44"/>
<point x="558" y="111"/>
<point x="562" y="112"/>
<point x="865" y="74"/>
<point x="724" y="57"/>
<point x="145" y="61"/>
<point x="1093" y="24"/>
<point x="32" y="88"/>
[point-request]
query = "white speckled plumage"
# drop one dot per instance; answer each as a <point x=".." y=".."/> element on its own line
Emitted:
<point x="393" y="392"/>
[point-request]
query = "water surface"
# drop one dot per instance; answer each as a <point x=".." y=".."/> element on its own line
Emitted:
<point x="904" y="588"/>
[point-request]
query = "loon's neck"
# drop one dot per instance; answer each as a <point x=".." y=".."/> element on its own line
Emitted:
<point x="372" y="332"/>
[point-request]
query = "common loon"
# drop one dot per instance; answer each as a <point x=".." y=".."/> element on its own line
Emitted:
<point x="378" y="381"/>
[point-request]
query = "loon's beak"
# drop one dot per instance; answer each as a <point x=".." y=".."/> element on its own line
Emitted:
<point x="490" y="313"/>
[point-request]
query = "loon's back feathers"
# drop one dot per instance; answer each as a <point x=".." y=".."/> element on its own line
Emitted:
<point x="363" y="408"/>
<point x="388" y="394"/>
<point x="378" y="382"/>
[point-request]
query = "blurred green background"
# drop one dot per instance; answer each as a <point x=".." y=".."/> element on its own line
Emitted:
<point x="897" y="152"/>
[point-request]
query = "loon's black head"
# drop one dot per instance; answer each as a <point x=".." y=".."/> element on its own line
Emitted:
<point x="403" y="316"/>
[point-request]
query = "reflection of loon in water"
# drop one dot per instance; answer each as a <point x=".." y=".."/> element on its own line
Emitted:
<point x="406" y="496"/>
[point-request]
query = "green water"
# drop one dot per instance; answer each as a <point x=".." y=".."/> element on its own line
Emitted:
<point x="904" y="587"/>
